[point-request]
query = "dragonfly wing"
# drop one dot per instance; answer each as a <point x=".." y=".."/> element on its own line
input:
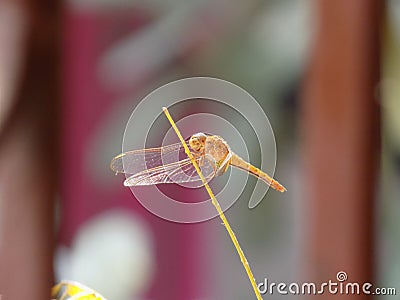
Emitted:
<point x="179" y="172"/>
<point x="137" y="161"/>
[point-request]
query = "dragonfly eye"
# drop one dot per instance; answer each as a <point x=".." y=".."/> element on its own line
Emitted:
<point x="197" y="142"/>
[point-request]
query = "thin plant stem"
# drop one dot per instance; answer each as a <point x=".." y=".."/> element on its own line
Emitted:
<point x="218" y="207"/>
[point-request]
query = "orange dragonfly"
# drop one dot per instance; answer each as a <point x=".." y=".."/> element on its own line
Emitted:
<point x="170" y="164"/>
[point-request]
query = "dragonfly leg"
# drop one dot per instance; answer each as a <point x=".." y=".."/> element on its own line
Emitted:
<point x="224" y="165"/>
<point x="212" y="161"/>
<point x="201" y="161"/>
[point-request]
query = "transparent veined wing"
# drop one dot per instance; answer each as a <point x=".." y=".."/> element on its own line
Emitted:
<point x="136" y="161"/>
<point x="182" y="171"/>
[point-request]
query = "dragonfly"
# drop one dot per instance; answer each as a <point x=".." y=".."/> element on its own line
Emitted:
<point x="170" y="164"/>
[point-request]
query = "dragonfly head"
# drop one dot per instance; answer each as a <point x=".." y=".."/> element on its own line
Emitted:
<point x="197" y="142"/>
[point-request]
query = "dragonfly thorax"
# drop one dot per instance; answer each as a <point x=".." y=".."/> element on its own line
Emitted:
<point x="216" y="149"/>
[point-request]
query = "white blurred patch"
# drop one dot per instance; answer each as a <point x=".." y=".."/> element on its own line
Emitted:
<point x="112" y="254"/>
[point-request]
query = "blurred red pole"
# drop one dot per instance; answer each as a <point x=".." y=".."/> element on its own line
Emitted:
<point x="340" y="125"/>
<point x="28" y="156"/>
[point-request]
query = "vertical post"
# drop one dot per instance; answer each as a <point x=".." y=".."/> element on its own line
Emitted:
<point x="340" y="125"/>
<point x="28" y="159"/>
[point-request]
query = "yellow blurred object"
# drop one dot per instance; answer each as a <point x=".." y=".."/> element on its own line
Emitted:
<point x="70" y="290"/>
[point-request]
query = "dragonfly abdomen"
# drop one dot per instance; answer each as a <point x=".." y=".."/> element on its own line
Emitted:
<point x="239" y="163"/>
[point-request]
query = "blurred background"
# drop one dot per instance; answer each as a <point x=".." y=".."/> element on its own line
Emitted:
<point x="327" y="74"/>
